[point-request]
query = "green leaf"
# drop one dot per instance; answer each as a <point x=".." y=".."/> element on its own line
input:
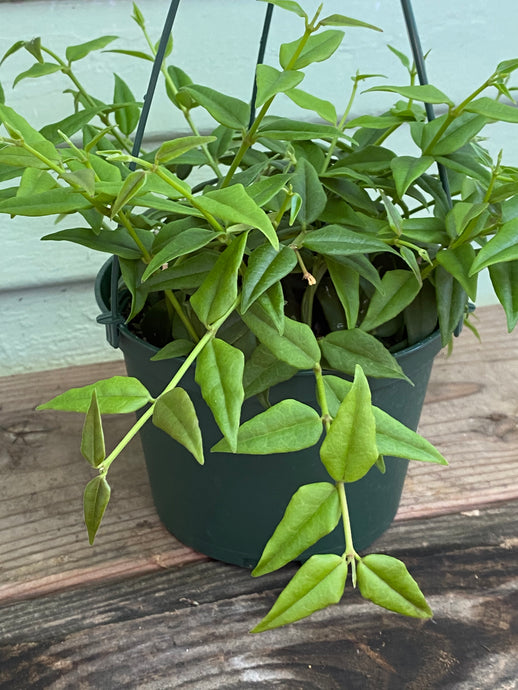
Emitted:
<point x="132" y="53"/>
<point x="395" y="439"/>
<point x="34" y="181"/>
<point x="266" y="266"/>
<point x="451" y="303"/>
<point x="130" y="188"/>
<point x="341" y="20"/>
<point x="349" y="448"/>
<point x="399" y="289"/>
<point x="370" y="160"/>
<point x="318" y="47"/>
<point x="226" y="110"/>
<point x="337" y="240"/>
<point x="176" y="147"/>
<point x="106" y="171"/>
<point x="425" y="133"/>
<point x="289" y="5"/>
<point x="501" y="248"/>
<point x="80" y="51"/>
<point x="263" y="370"/>
<point x="266" y="188"/>
<point x="114" y="396"/>
<point x="95" y="500"/>
<point x="272" y="302"/>
<point x="461" y="219"/>
<point x="171" y="230"/>
<point x="344" y="349"/>
<point x="188" y="241"/>
<point x="126" y="117"/>
<point x="319" y="582"/>
<point x="392" y="437"/>
<point x="233" y="205"/>
<point x="347" y="285"/>
<point x="306" y="184"/>
<point x="374" y="121"/>
<point x="458" y="262"/>
<point x="92" y="439"/>
<point x="385" y="581"/>
<point x="507" y="66"/>
<point x="83" y="178"/>
<point x="34" y="48"/>
<point x="137" y="16"/>
<point x="116" y="241"/>
<point x="406" y="169"/>
<point x="177" y="348"/>
<point x="504" y="277"/>
<point x="218" y="292"/>
<point x="458" y="133"/>
<point x="298" y="346"/>
<point x="395" y="220"/>
<point x="361" y="265"/>
<point x="284" y="129"/>
<point x="425" y="93"/>
<point x="271" y="82"/>
<point x="285" y="427"/>
<point x="39" y="69"/>
<point x="50" y="203"/>
<point x="219" y="373"/>
<point x="295" y="206"/>
<point x="493" y="110"/>
<point x="179" y="79"/>
<point x="13" y="49"/>
<point x="188" y="274"/>
<point x="411" y="260"/>
<point x="325" y="109"/>
<point x="313" y="512"/>
<point x="15" y="123"/>
<point x="401" y="56"/>
<point x="175" y="414"/>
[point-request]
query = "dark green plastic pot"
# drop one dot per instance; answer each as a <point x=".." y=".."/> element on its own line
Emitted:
<point x="228" y="508"/>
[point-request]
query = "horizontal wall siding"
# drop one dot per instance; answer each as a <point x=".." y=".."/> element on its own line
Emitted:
<point x="47" y="310"/>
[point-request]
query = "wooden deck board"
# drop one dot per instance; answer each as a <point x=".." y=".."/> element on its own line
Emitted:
<point x="187" y="626"/>
<point x="471" y="413"/>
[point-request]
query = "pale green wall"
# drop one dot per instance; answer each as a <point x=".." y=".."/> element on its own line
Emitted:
<point x="47" y="312"/>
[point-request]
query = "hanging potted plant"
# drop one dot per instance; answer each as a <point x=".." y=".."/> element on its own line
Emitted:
<point x="278" y="321"/>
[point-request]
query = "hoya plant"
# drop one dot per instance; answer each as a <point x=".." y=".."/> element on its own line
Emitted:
<point x="310" y="245"/>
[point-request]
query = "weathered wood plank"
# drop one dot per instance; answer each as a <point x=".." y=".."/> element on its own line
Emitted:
<point x="471" y="413"/>
<point x="187" y="627"/>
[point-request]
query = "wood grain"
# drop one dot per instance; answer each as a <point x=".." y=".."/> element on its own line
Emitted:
<point x="471" y="413"/>
<point x="187" y="627"/>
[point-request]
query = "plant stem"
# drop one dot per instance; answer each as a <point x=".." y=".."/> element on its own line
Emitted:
<point x="66" y="69"/>
<point x="61" y="172"/>
<point x="453" y="113"/>
<point x="248" y="138"/>
<point x="122" y="217"/>
<point x="191" y="357"/>
<point x="350" y="554"/>
<point x="341" y="127"/>
<point x="185" y="111"/>
<point x="190" y="197"/>
<point x="124" y="220"/>
<point x="494" y="176"/>
<point x="182" y="315"/>
<point x="321" y="397"/>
